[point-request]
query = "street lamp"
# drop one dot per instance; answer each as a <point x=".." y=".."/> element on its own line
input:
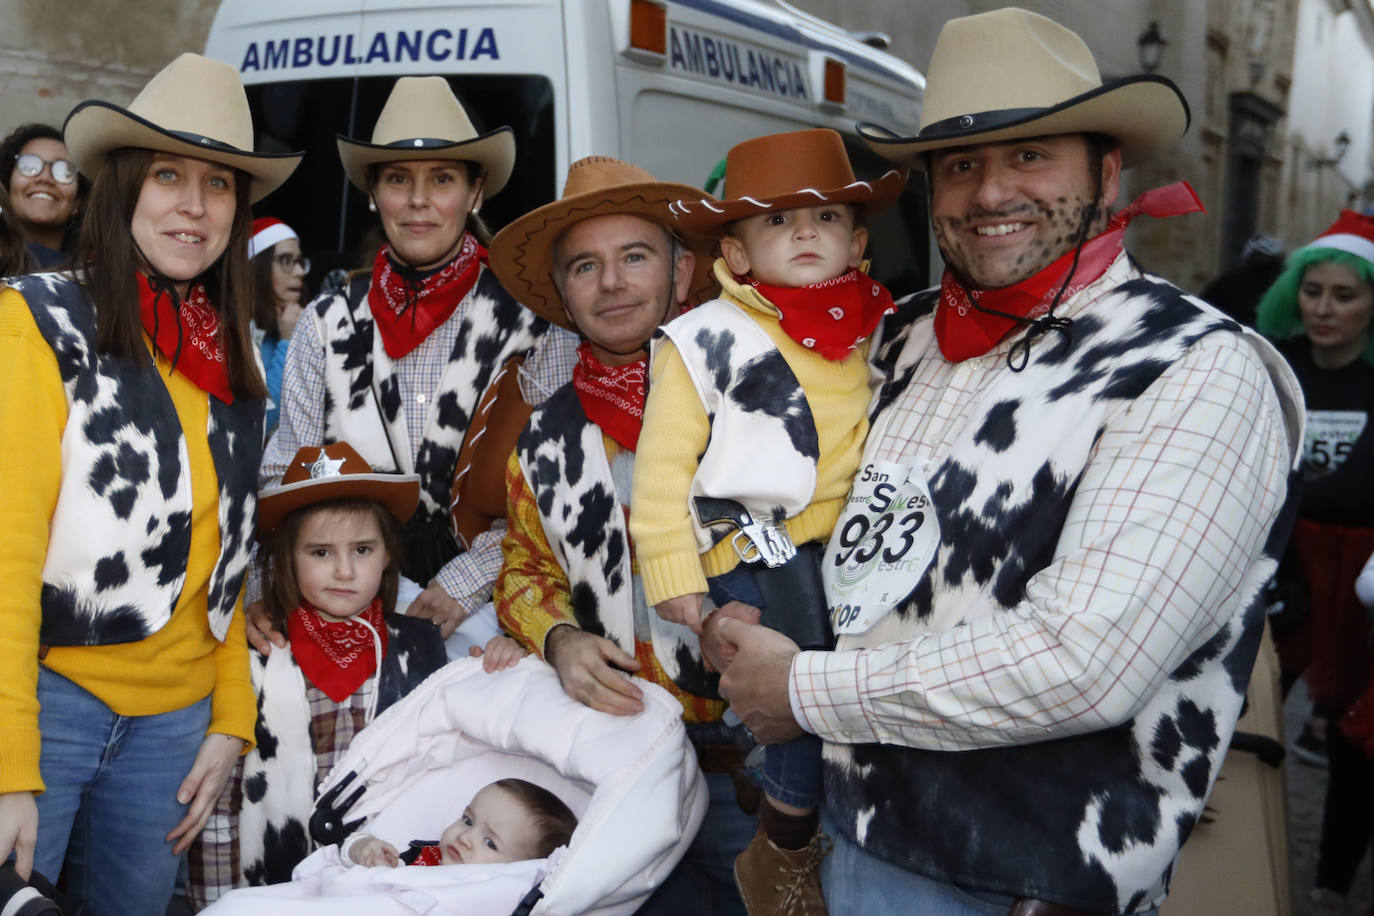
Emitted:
<point x="1150" y="46"/>
<point x="1339" y="145"/>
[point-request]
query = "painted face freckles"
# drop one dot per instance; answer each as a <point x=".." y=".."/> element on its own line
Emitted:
<point x="796" y="247"/>
<point x="184" y="215"/>
<point x="339" y="559"/>
<point x="495" y="827"/>
<point x="619" y="283"/>
<point x="424" y="206"/>
<point x="41" y="202"/>
<point x="1004" y="211"/>
<point x="1336" y="306"/>
<point x="288" y="279"/>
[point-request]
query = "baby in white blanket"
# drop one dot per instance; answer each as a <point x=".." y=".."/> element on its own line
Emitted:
<point x="509" y="820"/>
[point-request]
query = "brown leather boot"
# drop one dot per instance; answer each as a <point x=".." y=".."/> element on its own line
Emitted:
<point x="774" y="881"/>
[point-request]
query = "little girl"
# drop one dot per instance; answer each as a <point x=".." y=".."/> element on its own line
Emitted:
<point x="509" y="820"/>
<point x="331" y="561"/>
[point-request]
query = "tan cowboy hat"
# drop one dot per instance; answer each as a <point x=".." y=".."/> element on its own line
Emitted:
<point x="783" y="171"/>
<point x="521" y="255"/>
<point x="194" y="107"/>
<point x="334" y="471"/>
<point x="1010" y="74"/>
<point x="423" y="119"/>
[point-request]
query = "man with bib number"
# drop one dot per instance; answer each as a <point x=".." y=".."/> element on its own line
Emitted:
<point x="1046" y="582"/>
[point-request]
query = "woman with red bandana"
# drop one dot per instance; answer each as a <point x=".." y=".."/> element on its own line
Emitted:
<point x="130" y="428"/>
<point x="397" y="361"/>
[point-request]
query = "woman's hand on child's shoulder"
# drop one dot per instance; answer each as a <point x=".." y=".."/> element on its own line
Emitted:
<point x="501" y="652"/>
<point x="374" y="853"/>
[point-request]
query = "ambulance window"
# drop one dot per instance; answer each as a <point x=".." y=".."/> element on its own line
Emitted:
<point x="329" y="213"/>
<point x="898" y="237"/>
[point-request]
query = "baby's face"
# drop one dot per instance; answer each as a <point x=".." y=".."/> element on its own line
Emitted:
<point x="495" y="827"/>
<point x="795" y="247"/>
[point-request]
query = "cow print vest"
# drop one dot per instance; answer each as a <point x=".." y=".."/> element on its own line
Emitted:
<point x="1092" y="821"/>
<point x="564" y="460"/>
<point x="121" y="532"/>
<point x="363" y="402"/>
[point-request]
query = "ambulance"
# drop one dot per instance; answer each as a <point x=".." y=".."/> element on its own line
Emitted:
<point x="669" y="85"/>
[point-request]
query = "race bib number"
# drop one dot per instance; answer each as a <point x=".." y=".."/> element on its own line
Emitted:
<point x="1331" y="434"/>
<point x="881" y="546"/>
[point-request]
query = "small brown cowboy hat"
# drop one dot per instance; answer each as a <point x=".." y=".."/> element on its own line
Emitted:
<point x="194" y="107"/>
<point x="781" y="172"/>
<point x="334" y="471"/>
<point x="1011" y="74"/>
<point x="423" y="119"/>
<point x="521" y="255"/>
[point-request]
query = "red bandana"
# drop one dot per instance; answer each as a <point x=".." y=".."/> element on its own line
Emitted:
<point x="964" y="331"/>
<point x="429" y="855"/>
<point x="336" y="657"/>
<point x="405" y="314"/>
<point x="831" y="317"/>
<point x="188" y="336"/>
<point x="612" y="396"/>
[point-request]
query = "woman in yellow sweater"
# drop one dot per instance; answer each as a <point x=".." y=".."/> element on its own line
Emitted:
<point x="130" y="433"/>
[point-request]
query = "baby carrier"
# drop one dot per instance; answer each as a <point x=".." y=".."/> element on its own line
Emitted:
<point x="632" y="781"/>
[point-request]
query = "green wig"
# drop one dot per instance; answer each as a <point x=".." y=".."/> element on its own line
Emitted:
<point x="1278" y="317"/>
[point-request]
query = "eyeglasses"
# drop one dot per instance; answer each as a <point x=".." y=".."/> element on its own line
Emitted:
<point x="30" y="165"/>
<point x="290" y="261"/>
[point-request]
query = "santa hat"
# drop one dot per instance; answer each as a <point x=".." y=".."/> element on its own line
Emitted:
<point x="1352" y="232"/>
<point x="268" y="231"/>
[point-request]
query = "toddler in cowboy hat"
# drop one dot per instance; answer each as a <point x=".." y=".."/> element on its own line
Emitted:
<point x="756" y="417"/>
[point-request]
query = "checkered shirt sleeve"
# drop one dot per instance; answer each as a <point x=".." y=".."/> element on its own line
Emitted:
<point x="1170" y="515"/>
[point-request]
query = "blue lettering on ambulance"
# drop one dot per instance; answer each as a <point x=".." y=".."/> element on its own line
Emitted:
<point x="385" y="47"/>
<point x="723" y="59"/>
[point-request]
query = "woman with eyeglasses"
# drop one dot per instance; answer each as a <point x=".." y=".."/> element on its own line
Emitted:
<point x="45" y="189"/>
<point x="279" y="273"/>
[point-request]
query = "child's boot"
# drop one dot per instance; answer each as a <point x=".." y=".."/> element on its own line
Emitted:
<point x="775" y="880"/>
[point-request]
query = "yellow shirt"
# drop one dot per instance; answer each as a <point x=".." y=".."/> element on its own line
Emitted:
<point x="677" y="430"/>
<point x="174" y="667"/>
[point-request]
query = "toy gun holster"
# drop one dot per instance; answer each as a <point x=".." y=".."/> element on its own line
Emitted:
<point x="789" y="577"/>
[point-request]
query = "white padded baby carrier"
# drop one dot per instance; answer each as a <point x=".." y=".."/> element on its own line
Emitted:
<point x="633" y="782"/>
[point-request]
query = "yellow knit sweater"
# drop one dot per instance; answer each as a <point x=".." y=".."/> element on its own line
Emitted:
<point x="676" y="431"/>
<point x="178" y="665"/>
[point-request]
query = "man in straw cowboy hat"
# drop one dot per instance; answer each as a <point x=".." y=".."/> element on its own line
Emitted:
<point x="397" y="361"/>
<point x="605" y="261"/>
<point x="1046" y="583"/>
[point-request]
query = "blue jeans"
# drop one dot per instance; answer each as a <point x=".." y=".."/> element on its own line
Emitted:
<point x="110" y="799"/>
<point x="855" y="881"/>
<point x="792" y="770"/>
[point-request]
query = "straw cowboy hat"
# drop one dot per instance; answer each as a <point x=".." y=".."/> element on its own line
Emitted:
<point x="334" y="471"/>
<point x="521" y="255"/>
<point x="193" y="107"/>
<point x="783" y="171"/>
<point x="423" y="119"/>
<point x="1011" y="74"/>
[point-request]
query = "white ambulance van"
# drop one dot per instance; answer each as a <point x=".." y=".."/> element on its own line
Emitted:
<point x="670" y="85"/>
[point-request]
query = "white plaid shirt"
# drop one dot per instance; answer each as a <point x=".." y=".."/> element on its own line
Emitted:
<point x="1174" y="506"/>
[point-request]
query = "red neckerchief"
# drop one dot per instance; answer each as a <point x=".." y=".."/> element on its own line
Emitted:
<point x="611" y="396"/>
<point x="429" y="855"/>
<point x="335" y="657"/>
<point x="186" y="331"/>
<point x="831" y="317"/>
<point x="406" y="314"/>
<point x="964" y="331"/>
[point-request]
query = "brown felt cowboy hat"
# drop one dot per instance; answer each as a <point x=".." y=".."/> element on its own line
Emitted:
<point x="521" y="255"/>
<point x="423" y="119"/>
<point x="193" y="107"/>
<point x="1011" y="74"/>
<point x="334" y="471"/>
<point x="783" y="171"/>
